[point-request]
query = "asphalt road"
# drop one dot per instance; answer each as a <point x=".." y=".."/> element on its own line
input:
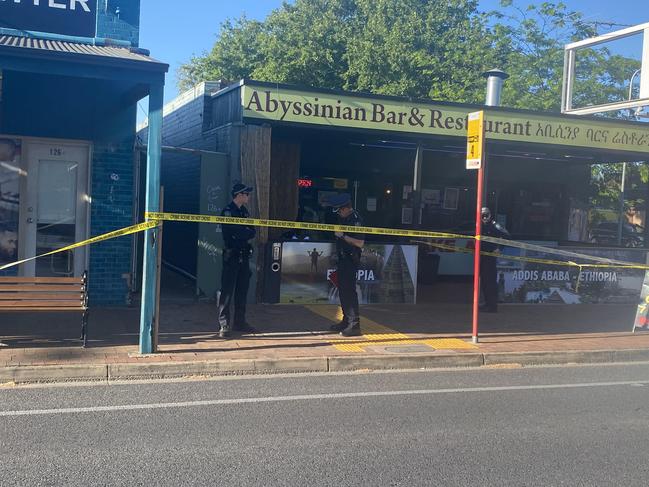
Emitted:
<point x="537" y="426"/>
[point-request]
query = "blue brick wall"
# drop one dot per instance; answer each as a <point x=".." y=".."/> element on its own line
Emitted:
<point x="124" y="25"/>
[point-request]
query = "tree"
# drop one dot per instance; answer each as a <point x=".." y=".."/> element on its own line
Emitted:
<point x="422" y="49"/>
<point x="416" y="48"/>
<point x="538" y="34"/>
<point x="235" y="55"/>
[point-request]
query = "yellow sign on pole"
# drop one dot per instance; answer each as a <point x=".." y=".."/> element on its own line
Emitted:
<point x="475" y="140"/>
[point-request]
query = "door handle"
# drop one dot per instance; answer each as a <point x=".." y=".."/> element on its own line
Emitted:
<point x="30" y="220"/>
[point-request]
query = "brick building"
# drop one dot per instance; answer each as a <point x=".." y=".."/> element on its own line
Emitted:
<point x="67" y="134"/>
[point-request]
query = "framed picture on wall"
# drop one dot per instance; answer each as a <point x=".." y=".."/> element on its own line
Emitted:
<point x="451" y="197"/>
<point x="431" y="197"/>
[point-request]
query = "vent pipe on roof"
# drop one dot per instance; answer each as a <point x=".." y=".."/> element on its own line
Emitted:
<point x="495" y="79"/>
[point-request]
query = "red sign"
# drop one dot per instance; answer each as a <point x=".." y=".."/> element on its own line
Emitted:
<point x="304" y="183"/>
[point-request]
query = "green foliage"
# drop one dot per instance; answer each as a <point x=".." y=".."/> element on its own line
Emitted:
<point x="538" y="34"/>
<point x="417" y="48"/>
<point x="235" y="55"/>
<point x="422" y="49"/>
<point x="427" y="49"/>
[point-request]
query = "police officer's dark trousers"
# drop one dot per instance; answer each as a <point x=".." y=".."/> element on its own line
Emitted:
<point x="488" y="281"/>
<point x="347" y="269"/>
<point x="235" y="279"/>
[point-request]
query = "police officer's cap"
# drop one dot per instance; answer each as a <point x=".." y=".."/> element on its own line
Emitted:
<point x="241" y="188"/>
<point x="339" y="201"/>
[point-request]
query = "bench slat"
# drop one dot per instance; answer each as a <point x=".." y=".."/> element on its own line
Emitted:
<point x="38" y="296"/>
<point x="41" y="280"/>
<point x="40" y="304"/>
<point x="38" y="310"/>
<point x="40" y="288"/>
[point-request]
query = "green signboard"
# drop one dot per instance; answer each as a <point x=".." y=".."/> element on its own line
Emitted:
<point x="214" y="195"/>
<point x="282" y="104"/>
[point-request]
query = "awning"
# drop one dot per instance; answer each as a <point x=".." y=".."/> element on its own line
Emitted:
<point x="76" y="59"/>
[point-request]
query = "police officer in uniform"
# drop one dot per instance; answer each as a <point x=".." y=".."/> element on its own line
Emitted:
<point x="488" y="269"/>
<point x="235" y="276"/>
<point x="348" y="248"/>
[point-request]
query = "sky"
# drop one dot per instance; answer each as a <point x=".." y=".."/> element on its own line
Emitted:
<point x="175" y="33"/>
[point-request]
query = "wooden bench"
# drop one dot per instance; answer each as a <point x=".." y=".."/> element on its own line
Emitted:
<point x="46" y="294"/>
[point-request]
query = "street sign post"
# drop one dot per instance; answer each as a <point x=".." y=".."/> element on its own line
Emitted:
<point x="475" y="160"/>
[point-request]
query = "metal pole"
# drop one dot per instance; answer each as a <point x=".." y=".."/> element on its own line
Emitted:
<point x="416" y="187"/>
<point x="620" y="221"/>
<point x="158" y="266"/>
<point x="356" y="194"/>
<point x="495" y="79"/>
<point x="476" y="254"/>
<point x="151" y="240"/>
<point x="635" y="73"/>
<point x="621" y="206"/>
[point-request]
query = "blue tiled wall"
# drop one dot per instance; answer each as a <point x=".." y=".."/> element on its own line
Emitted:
<point x="112" y="207"/>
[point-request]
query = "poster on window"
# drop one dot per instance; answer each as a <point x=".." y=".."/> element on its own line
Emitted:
<point x="530" y="282"/>
<point x="387" y="274"/>
<point x="641" y="322"/>
<point x="10" y="151"/>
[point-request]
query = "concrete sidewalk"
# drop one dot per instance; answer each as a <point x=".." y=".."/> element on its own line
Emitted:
<point x="296" y="339"/>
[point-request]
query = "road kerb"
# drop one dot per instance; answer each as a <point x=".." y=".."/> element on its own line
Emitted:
<point x="551" y="358"/>
<point x="54" y="373"/>
<point x="169" y="370"/>
<point x="383" y="362"/>
<point x="291" y="365"/>
<point x="637" y="355"/>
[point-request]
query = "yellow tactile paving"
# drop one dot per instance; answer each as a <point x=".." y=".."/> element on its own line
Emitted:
<point x="377" y="334"/>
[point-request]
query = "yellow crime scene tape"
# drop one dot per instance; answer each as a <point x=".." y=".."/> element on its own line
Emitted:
<point x="550" y="250"/>
<point x="100" y="238"/>
<point x="154" y="219"/>
<point x="256" y="222"/>
<point x="535" y="260"/>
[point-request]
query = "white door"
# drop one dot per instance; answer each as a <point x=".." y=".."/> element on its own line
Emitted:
<point x="54" y="212"/>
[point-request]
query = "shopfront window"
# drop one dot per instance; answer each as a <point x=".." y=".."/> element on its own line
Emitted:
<point x="57" y="215"/>
<point x="618" y="200"/>
<point x="9" y="199"/>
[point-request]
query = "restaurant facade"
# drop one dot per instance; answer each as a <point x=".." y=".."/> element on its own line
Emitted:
<point x="403" y="162"/>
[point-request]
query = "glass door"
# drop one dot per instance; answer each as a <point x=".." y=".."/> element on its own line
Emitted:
<point x="55" y="208"/>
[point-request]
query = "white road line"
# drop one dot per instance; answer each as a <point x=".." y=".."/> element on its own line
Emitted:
<point x="312" y="397"/>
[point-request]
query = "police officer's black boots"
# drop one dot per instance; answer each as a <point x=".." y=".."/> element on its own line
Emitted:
<point x="245" y="328"/>
<point x="352" y="330"/>
<point x="224" y="326"/>
<point x="340" y="326"/>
